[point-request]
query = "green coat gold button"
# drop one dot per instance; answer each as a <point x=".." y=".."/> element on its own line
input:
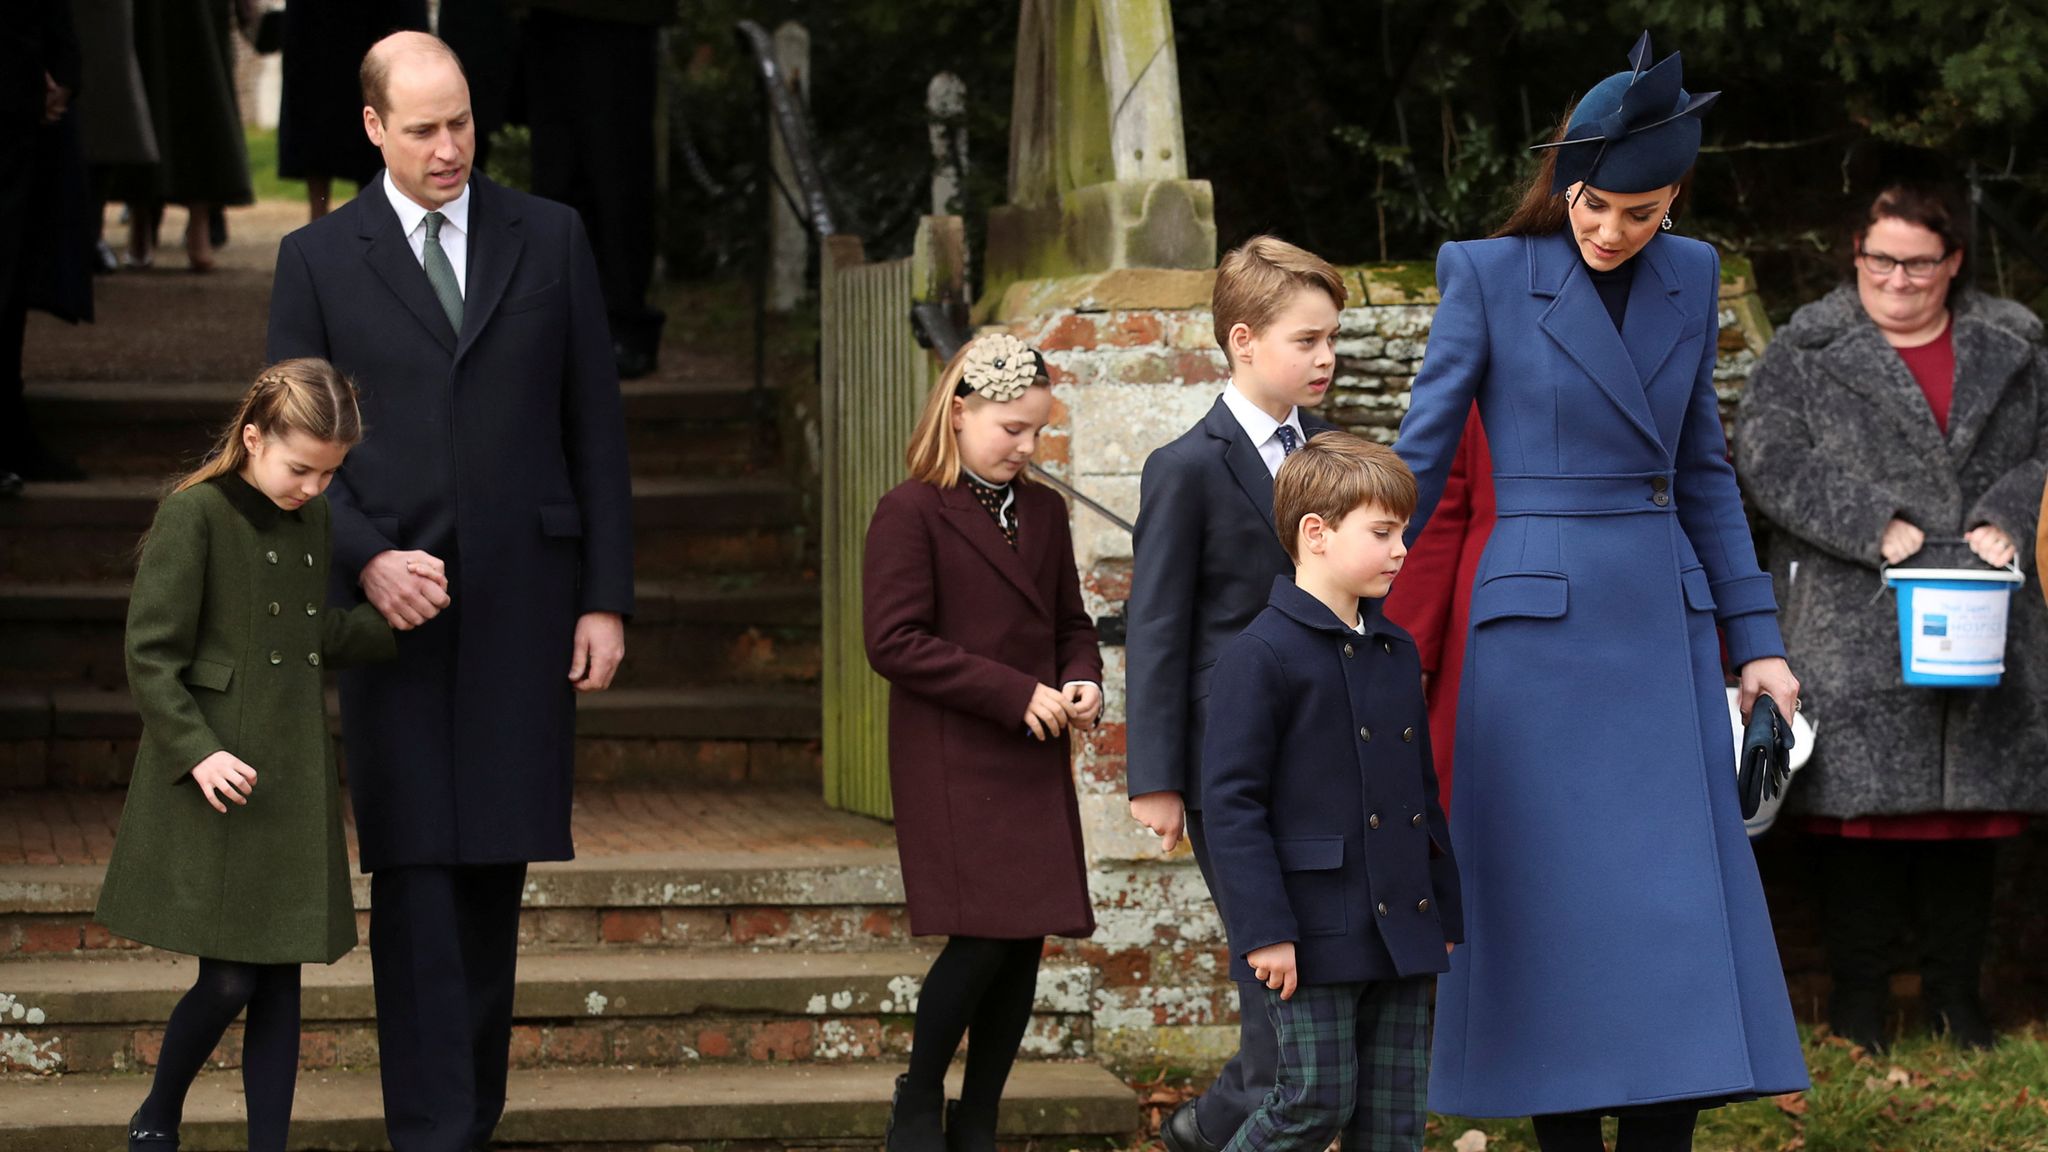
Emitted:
<point x="277" y="657"/>
<point x="309" y="559"/>
<point x="274" y="608"/>
<point x="270" y="556"/>
<point x="312" y="609"/>
<point x="313" y="658"/>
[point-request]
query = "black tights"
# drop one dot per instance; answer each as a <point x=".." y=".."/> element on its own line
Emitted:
<point x="1638" y="1132"/>
<point x="981" y="986"/>
<point x="270" y="1046"/>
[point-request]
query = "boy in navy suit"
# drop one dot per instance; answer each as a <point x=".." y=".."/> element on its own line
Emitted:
<point x="1329" y="845"/>
<point x="1204" y="556"/>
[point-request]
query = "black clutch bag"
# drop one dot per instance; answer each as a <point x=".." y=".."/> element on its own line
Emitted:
<point x="1766" y="755"/>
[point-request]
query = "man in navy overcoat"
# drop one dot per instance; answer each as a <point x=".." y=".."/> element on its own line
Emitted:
<point x="470" y="318"/>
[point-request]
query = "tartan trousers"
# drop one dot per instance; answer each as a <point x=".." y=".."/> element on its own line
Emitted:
<point x="1354" y="1060"/>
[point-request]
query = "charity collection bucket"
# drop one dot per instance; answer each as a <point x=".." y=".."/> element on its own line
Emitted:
<point x="1952" y="624"/>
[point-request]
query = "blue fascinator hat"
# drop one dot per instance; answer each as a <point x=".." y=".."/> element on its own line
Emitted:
<point x="1636" y="131"/>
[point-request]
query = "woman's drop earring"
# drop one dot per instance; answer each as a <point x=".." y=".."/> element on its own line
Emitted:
<point x="1666" y="225"/>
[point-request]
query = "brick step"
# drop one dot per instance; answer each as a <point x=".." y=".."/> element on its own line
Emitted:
<point x="88" y="530"/>
<point x="83" y="737"/>
<point x="617" y="1110"/>
<point x="736" y="631"/>
<point x="159" y="429"/>
<point x="645" y="1008"/>
<point x="809" y="899"/>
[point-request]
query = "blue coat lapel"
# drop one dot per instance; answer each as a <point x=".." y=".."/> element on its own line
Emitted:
<point x="1578" y="322"/>
<point x="1651" y="331"/>
<point x="388" y="252"/>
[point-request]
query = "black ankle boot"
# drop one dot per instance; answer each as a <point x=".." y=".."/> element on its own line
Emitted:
<point x="1954" y="1011"/>
<point x="1856" y="1011"/>
<point x="970" y="1129"/>
<point x="142" y="1139"/>
<point x="915" y="1123"/>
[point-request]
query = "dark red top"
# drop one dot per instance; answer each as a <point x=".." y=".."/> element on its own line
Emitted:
<point x="1933" y="366"/>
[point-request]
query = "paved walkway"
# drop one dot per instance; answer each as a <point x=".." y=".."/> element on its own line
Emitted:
<point x="49" y="828"/>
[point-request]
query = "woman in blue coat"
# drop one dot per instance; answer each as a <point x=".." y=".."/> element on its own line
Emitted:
<point x="1620" y="958"/>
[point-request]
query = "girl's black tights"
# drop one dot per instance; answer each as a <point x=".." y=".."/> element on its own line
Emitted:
<point x="979" y="986"/>
<point x="1638" y="1132"/>
<point x="270" y="1046"/>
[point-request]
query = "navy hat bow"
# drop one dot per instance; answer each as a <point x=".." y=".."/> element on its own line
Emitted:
<point x="1636" y="131"/>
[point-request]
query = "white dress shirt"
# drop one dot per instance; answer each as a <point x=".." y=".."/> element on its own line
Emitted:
<point x="1263" y="429"/>
<point x="412" y="220"/>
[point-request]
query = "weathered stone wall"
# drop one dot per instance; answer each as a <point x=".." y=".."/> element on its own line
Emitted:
<point x="1134" y="362"/>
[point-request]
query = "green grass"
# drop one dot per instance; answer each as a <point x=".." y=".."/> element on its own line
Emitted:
<point x="262" y="143"/>
<point x="1923" y="1096"/>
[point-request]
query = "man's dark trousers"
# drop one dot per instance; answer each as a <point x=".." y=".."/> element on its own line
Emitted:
<point x="444" y="999"/>
<point x="1244" y="1082"/>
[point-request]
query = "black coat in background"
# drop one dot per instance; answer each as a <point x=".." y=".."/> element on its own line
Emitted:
<point x="320" y="117"/>
<point x="501" y="450"/>
<point x="187" y="54"/>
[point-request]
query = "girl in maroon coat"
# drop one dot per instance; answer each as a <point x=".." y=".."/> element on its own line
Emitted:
<point x="973" y="614"/>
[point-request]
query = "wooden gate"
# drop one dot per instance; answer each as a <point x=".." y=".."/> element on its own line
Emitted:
<point x="873" y="377"/>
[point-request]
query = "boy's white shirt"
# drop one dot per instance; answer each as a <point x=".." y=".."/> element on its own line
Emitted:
<point x="1263" y="429"/>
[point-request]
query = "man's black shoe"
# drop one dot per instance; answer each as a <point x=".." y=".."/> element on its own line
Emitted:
<point x="1182" y="1134"/>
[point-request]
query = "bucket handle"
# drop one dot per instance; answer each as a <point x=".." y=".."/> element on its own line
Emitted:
<point x="1884" y="572"/>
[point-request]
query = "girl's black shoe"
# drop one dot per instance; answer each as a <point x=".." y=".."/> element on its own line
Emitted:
<point x="969" y="1129"/>
<point x="915" y="1123"/>
<point x="142" y="1139"/>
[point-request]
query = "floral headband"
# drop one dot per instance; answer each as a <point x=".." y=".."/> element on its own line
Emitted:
<point x="999" y="367"/>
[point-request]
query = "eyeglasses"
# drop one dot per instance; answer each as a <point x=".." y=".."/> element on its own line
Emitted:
<point x="1918" y="268"/>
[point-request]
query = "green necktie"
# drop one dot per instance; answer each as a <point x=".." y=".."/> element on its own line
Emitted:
<point x="441" y="273"/>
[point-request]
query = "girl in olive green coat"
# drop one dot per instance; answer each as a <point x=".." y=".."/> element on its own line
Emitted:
<point x="231" y="846"/>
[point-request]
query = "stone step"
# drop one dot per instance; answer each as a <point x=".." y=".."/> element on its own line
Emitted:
<point x="646" y="1008"/>
<point x="1069" y="1105"/>
<point x="71" y="736"/>
<point x="760" y="630"/>
<point x="157" y="429"/>
<point x="810" y="899"/>
<point x="88" y="530"/>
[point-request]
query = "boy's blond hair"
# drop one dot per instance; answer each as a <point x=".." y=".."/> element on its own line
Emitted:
<point x="1333" y="475"/>
<point x="1256" y="279"/>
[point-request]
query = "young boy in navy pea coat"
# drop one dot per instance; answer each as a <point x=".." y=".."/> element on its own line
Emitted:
<point x="1204" y="555"/>
<point x="1329" y="845"/>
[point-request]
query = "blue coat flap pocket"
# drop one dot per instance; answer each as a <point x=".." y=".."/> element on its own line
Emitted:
<point x="210" y="674"/>
<point x="561" y="518"/>
<point x="1534" y="594"/>
<point x="1698" y="593"/>
<point x="1310" y="853"/>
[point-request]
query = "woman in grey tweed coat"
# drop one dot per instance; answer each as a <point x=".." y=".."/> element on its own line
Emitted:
<point x="1896" y="413"/>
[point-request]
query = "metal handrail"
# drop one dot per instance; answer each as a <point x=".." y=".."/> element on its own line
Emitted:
<point x="1081" y="498"/>
<point x="1982" y="206"/>
<point x="813" y="206"/>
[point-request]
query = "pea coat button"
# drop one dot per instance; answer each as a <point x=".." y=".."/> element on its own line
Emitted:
<point x="270" y="556"/>
<point x="1388" y="645"/>
<point x="274" y="608"/>
<point x="1415" y="821"/>
<point x="313" y="658"/>
<point x="1381" y="908"/>
<point x="1408" y="735"/>
<point x="1373" y="821"/>
<point x="277" y="657"/>
<point x="1661" y="499"/>
<point x="312" y="609"/>
<point x="1422" y="905"/>
<point x="1347" y="651"/>
<point x="1660" y="483"/>
<point x="1365" y="734"/>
